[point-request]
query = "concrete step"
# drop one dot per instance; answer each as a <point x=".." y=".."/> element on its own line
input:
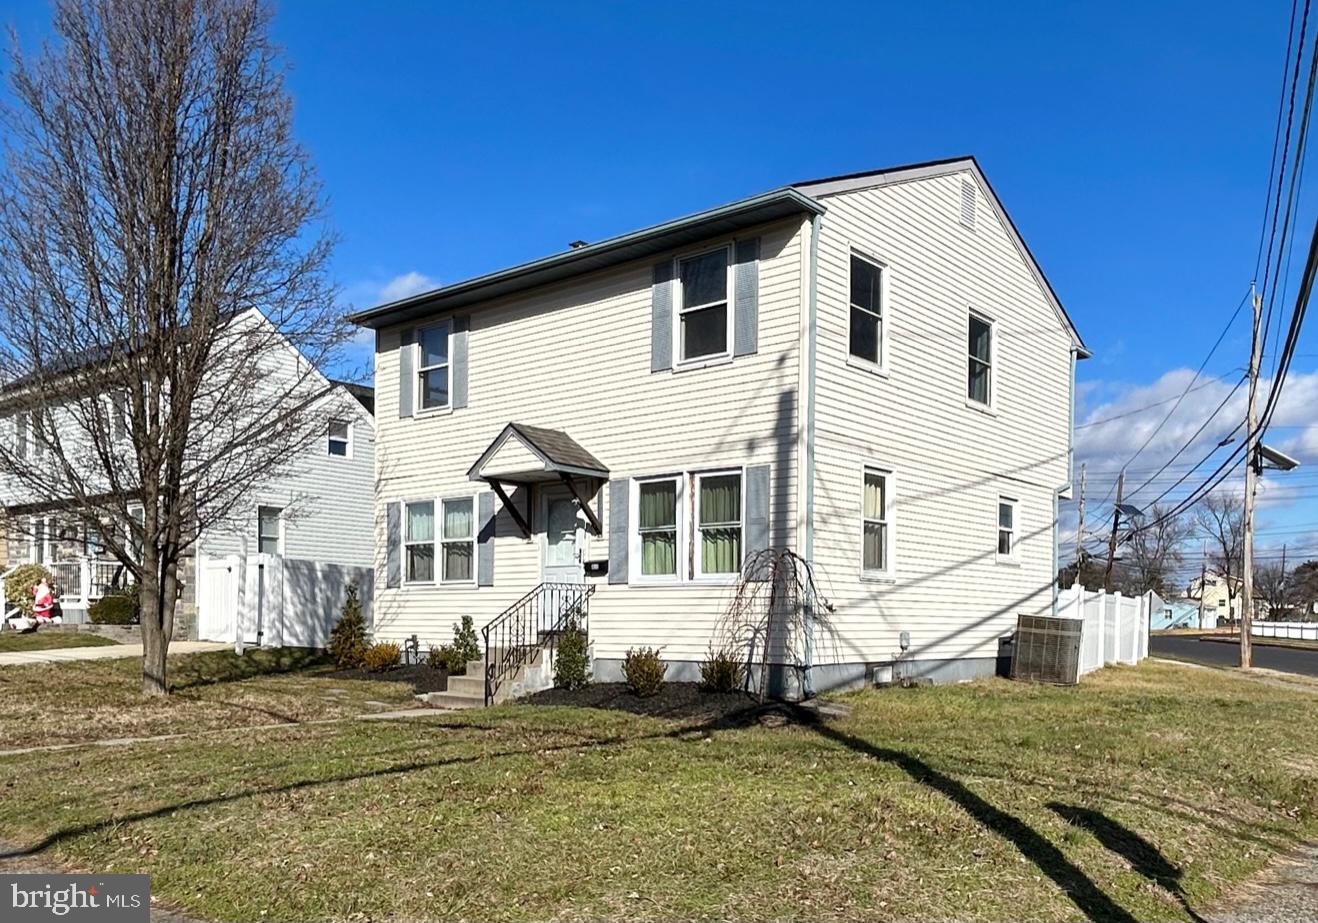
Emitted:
<point x="452" y="700"/>
<point x="473" y="684"/>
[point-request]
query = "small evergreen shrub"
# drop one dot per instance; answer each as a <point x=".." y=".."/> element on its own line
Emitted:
<point x="117" y="608"/>
<point x="465" y="641"/>
<point x="382" y="657"/>
<point x="644" y="671"/>
<point x="437" y="658"/>
<point x="571" y="666"/>
<point x="347" y="642"/>
<point x="19" y="584"/>
<point x="722" y="671"/>
<point x="448" y="657"/>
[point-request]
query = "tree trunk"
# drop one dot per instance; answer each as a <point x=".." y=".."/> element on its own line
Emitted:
<point x="155" y="641"/>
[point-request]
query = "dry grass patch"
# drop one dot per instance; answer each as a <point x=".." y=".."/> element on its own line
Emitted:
<point x="49" y="640"/>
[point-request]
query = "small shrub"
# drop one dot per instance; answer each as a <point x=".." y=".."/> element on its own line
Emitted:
<point x="19" y="584"/>
<point x="465" y="642"/>
<point x="382" y="657"/>
<point x="347" y="642"/>
<point x="571" y="665"/>
<point x="722" y="671"/>
<point x="437" y="658"/>
<point x="448" y="657"/>
<point x="117" y="608"/>
<point x="644" y="671"/>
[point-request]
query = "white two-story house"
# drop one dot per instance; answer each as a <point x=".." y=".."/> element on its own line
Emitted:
<point x="273" y="570"/>
<point x="869" y="370"/>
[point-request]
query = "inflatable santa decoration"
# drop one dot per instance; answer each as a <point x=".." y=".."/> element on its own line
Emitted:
<point x="43" y="601"/>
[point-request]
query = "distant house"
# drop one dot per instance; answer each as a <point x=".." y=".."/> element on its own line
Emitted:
<point x="1219" y="606"/>
<point x="870" y="370"/>
<point x="1176" y="613"/>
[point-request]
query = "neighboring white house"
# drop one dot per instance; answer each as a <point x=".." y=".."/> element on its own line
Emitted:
<point x="870" y="370"/>
<point x="278" y="566"/>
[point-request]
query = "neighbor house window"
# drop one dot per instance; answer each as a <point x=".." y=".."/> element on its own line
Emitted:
<point x="657" y="525"/>
<point x="866" y="310"/>
<point x="718" y="523"/>
<point x="703" y="314"/>
<point x="432" y="366"/>
<point x="979" y="371"/>
<point x="267" y="529"/>
<point x="338" y="438"/>
<point x="1006" y="527"/>
<point x="419" y="542"/>
<point x="457" y="544"/>
<point x="877" y="535"/>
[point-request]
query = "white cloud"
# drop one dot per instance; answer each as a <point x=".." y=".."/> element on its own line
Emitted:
<point x="409" y="283"/>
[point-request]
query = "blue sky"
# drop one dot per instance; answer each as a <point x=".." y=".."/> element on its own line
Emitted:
<point x="1130" y="141"/>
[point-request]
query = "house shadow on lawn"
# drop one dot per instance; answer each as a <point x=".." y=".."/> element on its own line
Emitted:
<point x="696" y="709"/>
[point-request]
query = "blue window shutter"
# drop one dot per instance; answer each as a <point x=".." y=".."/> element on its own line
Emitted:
<point x="661" y="319"/>
<point x="393" y="570"/>
<point x="406" y="373"/>
<point x="746" y="292"/>
<point x="458" y="363"/>
<point x="485" y="539"/>
<point x="619" y="506"/>
<point x="757" y="511"/>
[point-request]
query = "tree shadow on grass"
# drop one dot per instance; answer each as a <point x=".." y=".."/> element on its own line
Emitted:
<point x="1142" y="855"/>
<point x="210" y="668"/>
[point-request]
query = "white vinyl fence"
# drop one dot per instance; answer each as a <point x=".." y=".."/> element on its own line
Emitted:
<point x="1293" y="631"/>
<point x="1116" y="627"/>
<point x="275" y="601"/>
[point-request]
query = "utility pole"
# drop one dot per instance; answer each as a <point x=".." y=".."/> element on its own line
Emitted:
<point x="1251" y="479"/>
<point x="1203" y="579"/>
<point x="1112" y="539"/>
<point x="1080" y="526"/>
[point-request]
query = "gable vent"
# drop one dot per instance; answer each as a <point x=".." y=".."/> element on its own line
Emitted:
<point x="967" y="203"/>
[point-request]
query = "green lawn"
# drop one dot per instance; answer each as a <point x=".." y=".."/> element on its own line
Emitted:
<point x="1141" y="794"/>
<point x="62" y="703"/>
<point x="49" y="640"/>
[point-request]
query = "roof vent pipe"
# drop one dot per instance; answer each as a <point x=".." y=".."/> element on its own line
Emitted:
<point x="578" y="244"/>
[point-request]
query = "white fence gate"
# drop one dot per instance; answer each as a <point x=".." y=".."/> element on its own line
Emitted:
<point x="275" y="601"/>
<point x="1116" y="627"/>
<point x="1293" y="631"/>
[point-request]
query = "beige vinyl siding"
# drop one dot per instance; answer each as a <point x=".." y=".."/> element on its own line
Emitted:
<point x="950" y="461"/>
<point x="576" y="357"/>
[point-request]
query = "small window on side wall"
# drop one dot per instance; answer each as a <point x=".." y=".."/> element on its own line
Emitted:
<point x="1007" y="536"/>
<point x="339" y="438"/>
<point x="876" y="533"/>
<point x="267" y="529"/>
<point x="866" y="338"/>
<point x="703" y="312"/>
<point x="979" y="369"/>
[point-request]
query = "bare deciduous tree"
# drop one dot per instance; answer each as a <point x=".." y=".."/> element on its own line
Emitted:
<point x="1151" y="557"/>
<point x="154" y="200"/>
<point x="1272" y="584"/>
<point x="1220" y="518"/>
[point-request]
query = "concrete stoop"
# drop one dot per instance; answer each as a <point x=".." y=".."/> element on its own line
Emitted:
<point x="468" y="691"/>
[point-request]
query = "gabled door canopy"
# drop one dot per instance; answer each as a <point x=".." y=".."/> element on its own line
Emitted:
<point x="523" y="455"/>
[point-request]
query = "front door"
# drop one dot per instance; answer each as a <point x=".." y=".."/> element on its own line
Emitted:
<point x="565" y="537"/>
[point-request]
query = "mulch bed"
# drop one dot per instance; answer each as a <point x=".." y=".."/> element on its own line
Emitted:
<point x="684" y="702"/>
<point x="419" y="676"/>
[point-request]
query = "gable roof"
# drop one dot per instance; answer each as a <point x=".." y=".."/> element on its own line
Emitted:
<point x="556" y="450"/>
<point x="854" y="182"/>
<point x="798" y="198"/>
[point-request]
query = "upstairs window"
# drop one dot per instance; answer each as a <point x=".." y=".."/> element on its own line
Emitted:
<point x="657" y="525"/>
<point x="979" y="371"/>
<point x="718" y="525"/>
<point x="866" y="310"/>
<point x="419" y="542"/>
<point x="433" y="366"/>
<point x="457" y="542"/>
<point x="339" y="438"/>
<point x="876" y="556"/>
<point x="267" y="529"/>
<point x="1006" y="528"/>
<point x="703" y="314"/>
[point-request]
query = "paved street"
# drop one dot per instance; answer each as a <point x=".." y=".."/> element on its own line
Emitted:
<point x="105" y="652"/>
<point x="1220" y="654"/>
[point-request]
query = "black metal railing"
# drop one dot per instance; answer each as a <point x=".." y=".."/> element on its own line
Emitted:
<point x="529" y="626"/>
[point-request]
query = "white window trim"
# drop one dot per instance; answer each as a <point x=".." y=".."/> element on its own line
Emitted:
<point x="888" y="574"/>
<point x="440" y="541"/>
<point x="329" y="438"/>
<point x="635" y="576"/>
<point x="1012" y="557"/>
<point x="881" y="367"/>
<point x="679" y="351"/>
<point x="697" y="573"/>
<point x="419" y="370"/>
<point x="280" y="538"/>
<point x="436" y="511"/>
<point x="992" y="405"/>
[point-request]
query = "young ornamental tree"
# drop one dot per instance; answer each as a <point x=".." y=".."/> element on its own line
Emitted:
<point x="161" y="249"/>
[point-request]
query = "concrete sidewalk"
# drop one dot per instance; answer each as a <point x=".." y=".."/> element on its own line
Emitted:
<point x="105" y="652"/>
